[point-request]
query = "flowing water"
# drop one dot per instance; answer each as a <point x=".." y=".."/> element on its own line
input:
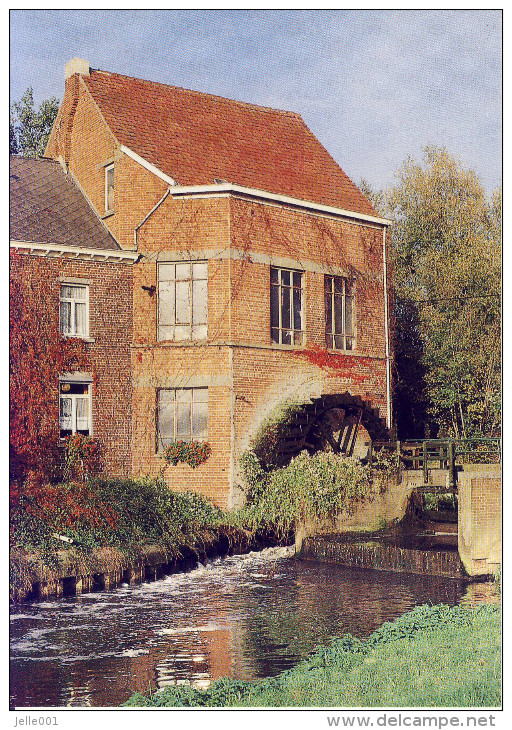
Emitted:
<point x="246" y="616"/>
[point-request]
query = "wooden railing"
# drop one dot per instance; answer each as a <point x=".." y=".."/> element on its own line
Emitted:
<point x="448" y="454"/>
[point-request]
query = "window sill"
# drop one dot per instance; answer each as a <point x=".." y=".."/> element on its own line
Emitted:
<point x="283" y="346"/>
<point x="336" y="351"/>
<point x="79" y="337"/>
<point x="181" y="343"/>
<point x="108" y="214"/>
<point x="62" y="441"/>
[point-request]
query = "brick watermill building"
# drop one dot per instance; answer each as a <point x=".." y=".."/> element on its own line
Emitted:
<point x="217" y="264"/>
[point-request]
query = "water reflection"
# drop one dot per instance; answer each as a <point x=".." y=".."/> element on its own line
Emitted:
<point x="246" y="617"/>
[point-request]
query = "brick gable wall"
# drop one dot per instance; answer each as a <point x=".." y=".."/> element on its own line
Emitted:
<point x="87" y="144"/>
<point x="240" y="240"/>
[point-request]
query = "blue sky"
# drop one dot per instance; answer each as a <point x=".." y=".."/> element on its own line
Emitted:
<point x="374" y="86"/>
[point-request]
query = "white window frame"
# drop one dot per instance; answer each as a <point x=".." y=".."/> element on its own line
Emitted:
<point x="74" y="398"/>
<point x="73" y="302"/>
<point x="191" y="324"/>
<point x="160" y="444"/>
<point x="346" y="281"/>
<point x="109" y="209"/>
<point x="288" y="289"/>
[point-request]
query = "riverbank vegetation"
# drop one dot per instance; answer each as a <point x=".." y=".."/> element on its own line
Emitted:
<point x="52" y="522"/>
<point x="123" y="515"/>
<point x="433" y="656"/>
<point x="319" y="486"/>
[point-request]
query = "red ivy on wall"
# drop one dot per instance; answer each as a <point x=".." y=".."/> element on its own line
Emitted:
<point x="338" y="365"/>
<point x="37" y="355"/>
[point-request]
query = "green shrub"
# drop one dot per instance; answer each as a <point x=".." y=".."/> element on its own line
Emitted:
<point x="447" y="502"/>
<point x="266" y="444"/>
<point x="121" y="513"/>
<point x="254" y="475"/>
<point x="320" y="486"/>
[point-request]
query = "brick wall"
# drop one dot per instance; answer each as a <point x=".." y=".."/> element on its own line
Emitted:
<point x="480" y="518"/>
<point x="82" y="137"/>
<point x="240" y="240"/>
<point x="318" y="245"/>
<point x="246" y="373"/>
<point x="174" y="366"/>
<point x="108" y="357"/>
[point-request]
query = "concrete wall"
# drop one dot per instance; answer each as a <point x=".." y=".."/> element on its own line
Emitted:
<point x="479" y="514"/>
<point x="389" y="503"/>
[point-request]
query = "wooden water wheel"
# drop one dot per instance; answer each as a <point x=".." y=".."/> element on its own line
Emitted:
<point x="328" y="423"/>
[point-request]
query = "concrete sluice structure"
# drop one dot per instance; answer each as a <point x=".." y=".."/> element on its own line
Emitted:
<point x="466" y="546"/>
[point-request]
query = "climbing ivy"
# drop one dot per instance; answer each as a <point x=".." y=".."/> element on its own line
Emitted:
<point x="266" y="443"/>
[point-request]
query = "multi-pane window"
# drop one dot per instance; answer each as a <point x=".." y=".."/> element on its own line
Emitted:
<point x="182" y="415"/>
<point x="74" y="310"/>
<point x="339" y="313"/>
<point x="183" y="301"/>
<point x="74" y="408"/>
<point x="109" y="189"/>
<point x="286" y="306"/>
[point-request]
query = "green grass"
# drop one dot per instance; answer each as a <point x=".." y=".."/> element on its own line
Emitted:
<point x="433" y="656"/>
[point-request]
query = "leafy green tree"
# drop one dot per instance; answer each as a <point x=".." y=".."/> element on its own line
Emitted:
<point x="409" y="387"/>
<point x="13" y="143"/>
<point x="446" y="262"/>
<point x="29" y="127"/>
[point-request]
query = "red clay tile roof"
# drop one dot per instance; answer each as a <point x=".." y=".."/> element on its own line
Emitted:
<point x="46" y="206"/>
<point x="195" y="138"/>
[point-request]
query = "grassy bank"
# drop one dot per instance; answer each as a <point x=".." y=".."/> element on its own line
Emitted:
<point x="116" y="519"/>
<point x="120" y="517"/>
<point x="433" y="656"/>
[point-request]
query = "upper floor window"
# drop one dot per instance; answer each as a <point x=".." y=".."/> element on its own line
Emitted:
<point x="182" y="415"/>
<point x="183" y="301"/>
<point x="74" y="408"/>
<point x="286" y="306"/>
<point x="74" y="310"/>
<point x="109" y="189"/>
<point x="339" y="313"/>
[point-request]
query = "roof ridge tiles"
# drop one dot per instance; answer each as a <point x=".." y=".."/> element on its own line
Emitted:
<point x="257" y="107"/>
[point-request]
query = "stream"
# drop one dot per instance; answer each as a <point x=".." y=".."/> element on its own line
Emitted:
<point x="246" y="616"/>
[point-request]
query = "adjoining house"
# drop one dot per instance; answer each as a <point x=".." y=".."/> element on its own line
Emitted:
<point x="260" y="277"/>
<point x="57" y="239"/>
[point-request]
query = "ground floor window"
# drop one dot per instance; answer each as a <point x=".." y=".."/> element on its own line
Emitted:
<point x="182" y="415"/>
<point x="74" y="408"/>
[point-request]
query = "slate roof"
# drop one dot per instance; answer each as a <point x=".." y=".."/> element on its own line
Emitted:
<point x="46" y="206"/>
<point x="195" y="137"/>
